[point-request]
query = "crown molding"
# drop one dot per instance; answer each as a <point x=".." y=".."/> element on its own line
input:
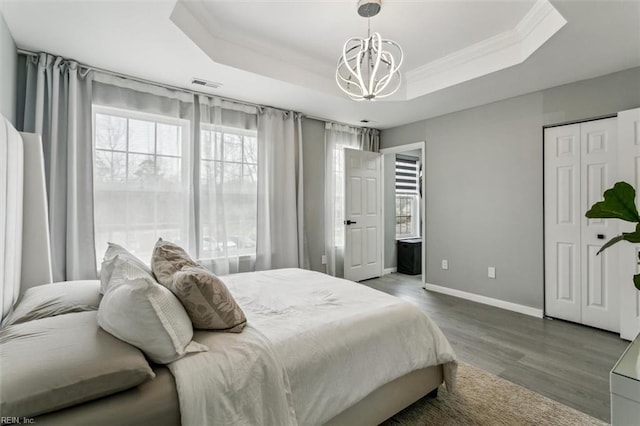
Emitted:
<point x="228" y="46"/>
<point x="501" y="51"/>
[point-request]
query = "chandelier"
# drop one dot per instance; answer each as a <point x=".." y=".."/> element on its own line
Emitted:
<point x="366" y="70"/>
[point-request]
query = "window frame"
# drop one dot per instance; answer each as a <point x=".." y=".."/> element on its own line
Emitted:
<point x="411" y="196"/>
<point x="184" y="125"/>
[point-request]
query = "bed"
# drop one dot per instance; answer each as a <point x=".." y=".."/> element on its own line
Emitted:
<point x="352" y="355"/>
<point x="316" y="350"/>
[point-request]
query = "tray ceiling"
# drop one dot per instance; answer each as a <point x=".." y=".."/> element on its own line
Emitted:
<point x="459" y="54"/>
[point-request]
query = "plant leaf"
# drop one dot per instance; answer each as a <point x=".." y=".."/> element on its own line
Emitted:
<point x="632" y="237"/>
<point x="636" y="281"/>
<point x="610" y="243"/>
<point x="619" y="203"/>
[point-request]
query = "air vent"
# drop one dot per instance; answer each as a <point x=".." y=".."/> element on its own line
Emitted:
<point x="203" y="82"/>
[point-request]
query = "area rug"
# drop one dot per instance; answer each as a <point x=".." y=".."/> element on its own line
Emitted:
<point x="482" y="398"/>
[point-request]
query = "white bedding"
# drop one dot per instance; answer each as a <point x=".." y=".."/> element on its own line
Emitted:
<point x="334" y="342"/>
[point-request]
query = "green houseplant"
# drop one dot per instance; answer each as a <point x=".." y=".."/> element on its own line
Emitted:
<point x="619" y="203"/>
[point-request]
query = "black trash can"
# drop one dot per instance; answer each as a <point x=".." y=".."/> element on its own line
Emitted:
<point x="409" y="256"/>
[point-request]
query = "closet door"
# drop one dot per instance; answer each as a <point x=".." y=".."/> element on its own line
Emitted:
<point x="599" y="158"/>
<point x="580" y="164"/>
<point x="563" y="222"/>
<point x="629" y="166"/>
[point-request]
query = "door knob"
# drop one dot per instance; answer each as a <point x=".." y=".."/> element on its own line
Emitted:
<point x="350" y="222"/>
<point x="601" y="236"/>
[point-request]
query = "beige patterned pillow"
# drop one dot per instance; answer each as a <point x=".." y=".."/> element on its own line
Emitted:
<point x="207" y="300"/>
<point x="167" y="259"/>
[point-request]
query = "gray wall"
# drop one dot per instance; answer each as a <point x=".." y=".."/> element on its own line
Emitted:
<point x="484" y="183"/>
<point x="313" y="159"/>
<point x="8" y="69"/>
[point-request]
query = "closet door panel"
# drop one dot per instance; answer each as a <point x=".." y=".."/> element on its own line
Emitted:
<point x="599" y="163"/>
<point x="562" y="222"/>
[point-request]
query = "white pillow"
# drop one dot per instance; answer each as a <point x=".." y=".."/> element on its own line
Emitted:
<point x="106" y="269"/>
<point x="141" y="312"/>
<point x="49" y="300"/>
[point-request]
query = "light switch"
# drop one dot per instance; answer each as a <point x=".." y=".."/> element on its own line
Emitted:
<point x="445" y="264"/>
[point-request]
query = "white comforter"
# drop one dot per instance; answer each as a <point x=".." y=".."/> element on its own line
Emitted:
<point x="315" y="346"/>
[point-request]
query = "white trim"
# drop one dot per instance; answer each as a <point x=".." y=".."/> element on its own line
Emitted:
<point x="495" y="53"/>
<point x="422" y="146"/>
<point x="527" y="310"/>
<point x="387" y="271"/>
<point x="402" y="148"/>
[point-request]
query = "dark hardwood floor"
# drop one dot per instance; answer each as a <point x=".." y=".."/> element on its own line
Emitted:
<point x="566" y="362"/>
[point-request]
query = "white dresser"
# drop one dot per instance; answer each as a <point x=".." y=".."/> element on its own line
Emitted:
<point x="625" y="387"/>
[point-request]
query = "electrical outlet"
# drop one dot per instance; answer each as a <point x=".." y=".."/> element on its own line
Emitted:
<point x="324" y="259"/>
<point x="445" y="264"/>
<point x="491" y="272"/>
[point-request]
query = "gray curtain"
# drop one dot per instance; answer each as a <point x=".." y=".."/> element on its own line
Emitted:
<point x="280" y="239"/>
<point x="58" y="107"/>
<point x="370" y="139"/>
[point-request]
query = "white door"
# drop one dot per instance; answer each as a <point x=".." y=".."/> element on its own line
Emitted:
<point x="599" y="272"/>
<point x="562" y="218"/>
<point x="629" y="166"/>
<point x="580" y="164"/>
<point x="362" y="251"/>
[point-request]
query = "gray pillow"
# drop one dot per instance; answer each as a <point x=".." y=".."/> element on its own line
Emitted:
<point x="167" y="259"/>
<point x="60" y="361"/>
<point x="56" y="299"/>
<point x="207" y="300"/>
<point x="109" y="263"/>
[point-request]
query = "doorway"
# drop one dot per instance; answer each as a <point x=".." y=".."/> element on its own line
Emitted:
<point x="404" y="209"/>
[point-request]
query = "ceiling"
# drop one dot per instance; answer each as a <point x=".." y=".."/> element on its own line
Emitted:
<point x="458" y="54"/>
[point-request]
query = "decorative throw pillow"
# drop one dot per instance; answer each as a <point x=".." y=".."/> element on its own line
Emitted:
<point x="56" y="362"/>
<point x="56" y="299"/>
<point x="207" y="300"/>
<point x="139" y="311"/>
<point x="108" y="264"/>
<point x="167" y="259"/>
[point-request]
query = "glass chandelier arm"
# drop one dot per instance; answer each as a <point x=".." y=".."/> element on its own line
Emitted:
<point x="359" y="47"/>
<point x="395" y="89"/>
<point x="385" y="80"/>
<point x="375" y="43"/>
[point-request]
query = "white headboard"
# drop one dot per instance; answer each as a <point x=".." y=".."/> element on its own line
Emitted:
<point x="11" y="189"/>
<point x="36" y="243"/>
<point x="25" y="250"/>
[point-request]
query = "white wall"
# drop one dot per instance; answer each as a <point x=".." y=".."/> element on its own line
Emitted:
<point x="8" y="69"/>
<point x="484" y="183"/>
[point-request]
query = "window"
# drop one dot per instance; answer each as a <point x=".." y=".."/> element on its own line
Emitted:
<point x="228" y="192"/>
<point x="407" y="197"/>
<point x="140" y="179"/>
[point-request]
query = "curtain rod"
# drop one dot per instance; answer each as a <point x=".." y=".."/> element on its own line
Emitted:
<point x="181" y="89"/>
<point x="154" y="83"/>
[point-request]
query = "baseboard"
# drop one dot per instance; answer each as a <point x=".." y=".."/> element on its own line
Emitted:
<point x="527" y="310"/>
<point x="387" y="271"/>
